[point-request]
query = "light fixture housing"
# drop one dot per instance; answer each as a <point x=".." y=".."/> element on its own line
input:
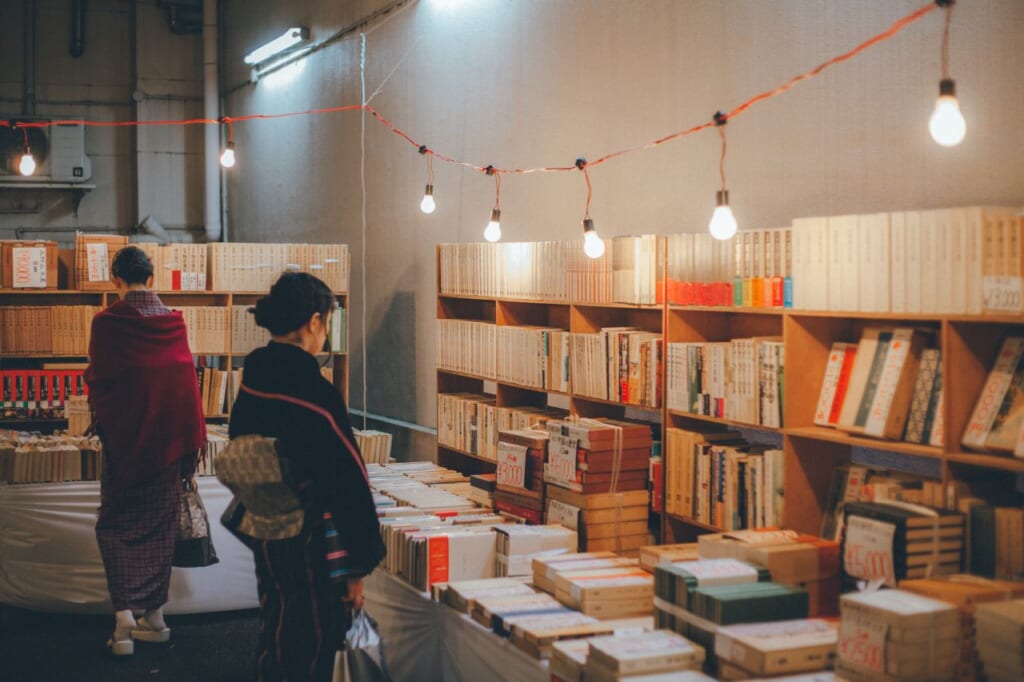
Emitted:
<point x="723" y="222"/>
<point x="593" y="245"/>
<point x="284" y="42"/>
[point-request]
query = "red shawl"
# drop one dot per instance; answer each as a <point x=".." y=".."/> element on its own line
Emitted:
<point x="143" y="392"/>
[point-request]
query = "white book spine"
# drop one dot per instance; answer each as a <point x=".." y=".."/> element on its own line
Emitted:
<point x="895" y="358"/>
<point x="957" y="247"/>
<point x="912" y="226"/>
<point x="898" y="263"/>
<point x="828" y="384"/>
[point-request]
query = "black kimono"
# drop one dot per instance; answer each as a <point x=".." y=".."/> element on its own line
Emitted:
<point x="302" y="619"/>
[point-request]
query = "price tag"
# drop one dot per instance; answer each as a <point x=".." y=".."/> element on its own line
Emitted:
<point x="562" y="457"/>
<point x="511" y="465"/>
<point x="28" y="267"/>
<point x="564" y="514"/>
<point x="1002" y="294"/>
<point x="862" y="642"/>
<point x="868" y="549"/>
<point x="97" y="258"/>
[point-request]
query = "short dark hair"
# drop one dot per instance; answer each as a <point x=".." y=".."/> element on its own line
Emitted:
<point x="293" y="299"/>
<point x="132" y="265"/>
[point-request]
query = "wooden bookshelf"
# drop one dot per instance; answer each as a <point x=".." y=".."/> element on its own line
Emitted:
<point x="969" y="344"/>
<point x="231" y="358"/>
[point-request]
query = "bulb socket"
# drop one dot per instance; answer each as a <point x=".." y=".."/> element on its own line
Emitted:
<point x="722" y="197"/>
<point x="231" y="145"/>
<point x="495" y="214"/>
<point x="429" y="191"/>
<point x="588" y="225"/>
<point x="947" y="87"/>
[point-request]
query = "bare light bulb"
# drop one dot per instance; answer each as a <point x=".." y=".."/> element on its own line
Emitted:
<point x="428" y="205"/>
<point x="27" y="165"/>
<point x="492" y="232"/>
<point x="723" y="222"/>
<point x="593" y="245"/>
<point x="227" y="157"/>
<point x="947" y="124"/>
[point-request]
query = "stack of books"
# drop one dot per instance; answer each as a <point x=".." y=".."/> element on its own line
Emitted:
<point x="805" y="561"/>
<point x="522" y="454"/>
<point x="537" y="634"/>
<point x="375" y="446"/>
<point x="673" y="583"/>
<point x="653" y="555"/>
<point x="177" y="266"/>
<point x="774" y="649"/>
<point x="517" y="545"/>
<point x="605" y="593"/>
<point x="624" y="657"/>
<point x="1001" y="640"/>
<point x="968" y="593"/>
<point x="897" y="635"/>
<point x="461" y="595"/>
<point x="547" y="568"/>
<point x="31" y="458"/>
<point x="597" y="473"/>
<point x="93" y="255"/>
<point x="891" y="541"/>
<point x="500" y="613"/>
<point x="621" y="364"/>
<point x="484" y="487"/>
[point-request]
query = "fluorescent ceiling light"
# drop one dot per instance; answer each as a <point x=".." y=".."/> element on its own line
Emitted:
<point x="290" y="38"/>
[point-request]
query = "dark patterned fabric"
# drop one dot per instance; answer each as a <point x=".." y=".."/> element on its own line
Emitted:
<point x="302" y="623"/>
<point x="146" y="302"/>
<point x="135" y="532"/>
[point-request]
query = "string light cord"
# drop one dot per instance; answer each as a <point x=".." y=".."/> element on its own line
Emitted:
<point x="720" y="120"/>
<point x="948" y="6"/>
<point x="894" y="29"/>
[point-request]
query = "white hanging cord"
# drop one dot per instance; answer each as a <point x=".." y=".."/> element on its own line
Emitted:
<point x="362" y="178"/>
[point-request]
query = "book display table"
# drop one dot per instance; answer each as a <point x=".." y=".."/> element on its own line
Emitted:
<point x="426" y="641"/>
<point x="49" y="560"/>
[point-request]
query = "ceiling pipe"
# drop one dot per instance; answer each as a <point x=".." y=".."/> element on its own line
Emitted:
<point x="28" y="103"/>
<point x="78" y="9"/>
<point x="211" y="105"/>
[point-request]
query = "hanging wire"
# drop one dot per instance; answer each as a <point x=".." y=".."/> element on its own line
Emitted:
<point x="945" y="41"/>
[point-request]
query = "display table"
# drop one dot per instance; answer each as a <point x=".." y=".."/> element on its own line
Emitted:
<point x="49" y="559"/>
<point x="426" y="641"/>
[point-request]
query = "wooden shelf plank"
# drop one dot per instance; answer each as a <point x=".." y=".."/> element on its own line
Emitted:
<point x="724" y="422"/>
<point x="727" y="309"/>
<point x="979" y="459"/>
<point x="843" y="438"/>
<point x="616" y="403"/>
<point x="466" y="453"/>
<point x="693" y="522"/>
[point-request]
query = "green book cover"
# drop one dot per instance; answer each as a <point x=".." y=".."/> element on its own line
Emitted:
<point x="877" y="364"/>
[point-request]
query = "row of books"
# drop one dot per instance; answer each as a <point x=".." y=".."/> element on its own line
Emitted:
<point x="215" y="394"/>
<point x="622" y="364"/>
<point x="247" y="336"/>
<point x="718" y="479"/>
<point x="467" y="347"/>
<point x="375" y="446"/>
<point x="30" y="458"/>
<point x="740" y="380"/>
<point x="628" y="272"/>
<point x="50" y="330"/>
<point x="30" y="392"/>
<point x="537" y="357"/>
<point x="888" y="386"/>
<point x="177" y="267"/>
<point x="959" y="260"/>
<point x="470" y="422"/>
<point x="207" y="328"/>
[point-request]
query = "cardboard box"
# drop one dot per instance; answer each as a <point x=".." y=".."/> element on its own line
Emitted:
<point x="94" y="254"/>
<point x="28" y="264"/>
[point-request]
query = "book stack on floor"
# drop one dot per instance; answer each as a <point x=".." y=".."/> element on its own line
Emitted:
<point x="804" y="561"/>
<point x="517" y="545"/>
<point x="375" y="446"/>
<point x="461" y="595"/>
<point x="520" y="474"/>
<point x="897" y="635"/>
<point x="628" y="657"/>
<point x="1001" y="640"/>
<point x="775" y="649"/>
<point x="596" y="474"/>
<point x="892" y="541"/>
<point x="968" y="593"/>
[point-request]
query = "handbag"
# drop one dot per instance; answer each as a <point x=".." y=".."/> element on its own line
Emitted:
<point x="364" y="651"/>
<point x="193" y="546"/>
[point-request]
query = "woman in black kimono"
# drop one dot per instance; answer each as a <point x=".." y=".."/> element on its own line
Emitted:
<point x="305" y="600"/>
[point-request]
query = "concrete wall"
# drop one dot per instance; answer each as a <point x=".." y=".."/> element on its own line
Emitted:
<point x="530" y="83"/>
<point x="151" y="171"/>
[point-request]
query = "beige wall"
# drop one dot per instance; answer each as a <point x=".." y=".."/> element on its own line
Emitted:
<point x="529" y="83"/>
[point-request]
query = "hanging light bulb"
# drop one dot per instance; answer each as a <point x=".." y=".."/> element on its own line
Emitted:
<point x="723" y="222"/>
<point x="492" y="232"/>
<point x="27" y="165"/>
<point x="428" y="205"/>
<point x="947" y="124"/>
<point x="593" y="245"/>
<point x="227" y="157"/>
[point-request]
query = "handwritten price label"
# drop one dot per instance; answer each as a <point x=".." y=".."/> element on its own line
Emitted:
<point x="564" y="514"/>
<point x="862" y="642"/>
<point x="28" y="267"/>
<point x="562" y="457"/>
<point x="511" y="465"/>
<point x="1002" y="294"/>
<point x="96" y="257"/>
<point x="868" y="550"/>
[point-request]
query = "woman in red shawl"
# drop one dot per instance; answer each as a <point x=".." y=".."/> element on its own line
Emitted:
<point x="145" y="401"/>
